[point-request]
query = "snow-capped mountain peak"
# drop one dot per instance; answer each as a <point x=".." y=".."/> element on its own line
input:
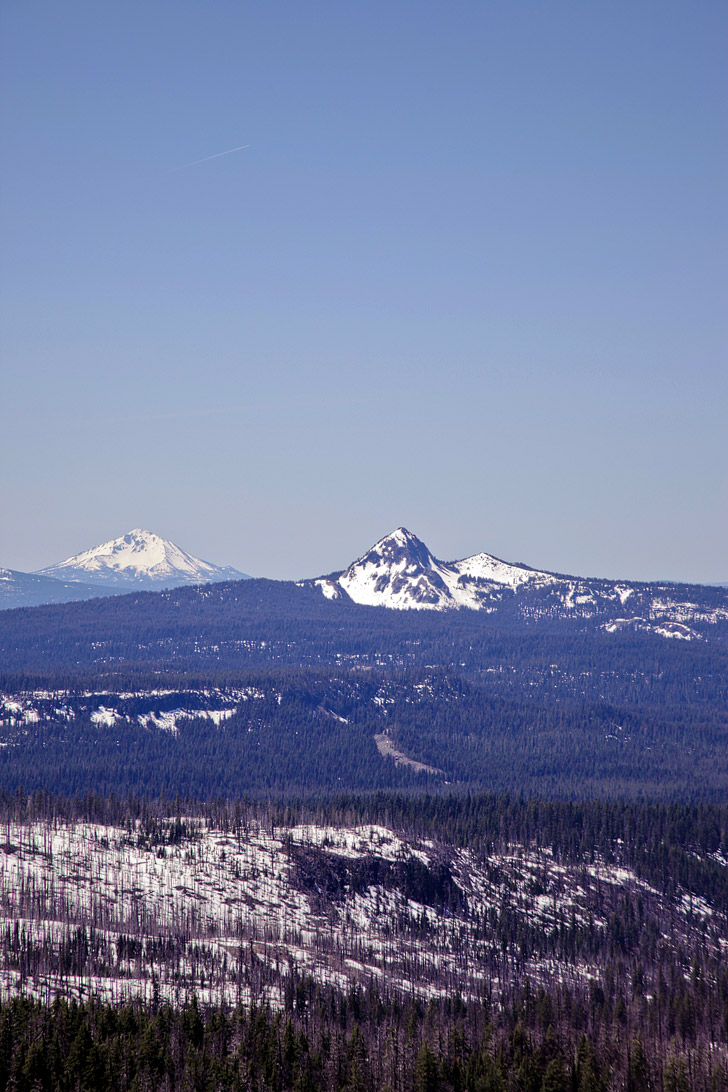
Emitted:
<point x="401" y="572"/>
<point x="398" y="571"/>
<point x="139" y="559"/>
<point x="400" y="545"/>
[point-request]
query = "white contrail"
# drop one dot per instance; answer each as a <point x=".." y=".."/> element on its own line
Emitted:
<point x="206" y="158"/>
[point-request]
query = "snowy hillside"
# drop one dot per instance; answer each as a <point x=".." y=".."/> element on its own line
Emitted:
<point x="139" y="559"/>
<point x="185" y="907"/>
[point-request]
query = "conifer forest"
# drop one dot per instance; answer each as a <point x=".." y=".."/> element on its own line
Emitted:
<point x="252" y="839"/>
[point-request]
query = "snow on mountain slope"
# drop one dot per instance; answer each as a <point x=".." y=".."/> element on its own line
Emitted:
<point x="487" y="567"/>
<point x="139" y="559"/>
<point x="400" y="572"/>
<point x="193" y="909"/>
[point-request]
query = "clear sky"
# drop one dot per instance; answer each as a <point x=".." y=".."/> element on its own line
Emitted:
<point x="469" y="276"/>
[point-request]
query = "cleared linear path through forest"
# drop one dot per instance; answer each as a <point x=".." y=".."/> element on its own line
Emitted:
<point x="386" y="748"/>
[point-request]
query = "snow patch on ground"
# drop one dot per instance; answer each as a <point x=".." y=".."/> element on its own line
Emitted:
<point x="109" y="717"/>
<point x="169" y="720"/>
<point x="330" y="588"/>
<point x="675" y="630"/>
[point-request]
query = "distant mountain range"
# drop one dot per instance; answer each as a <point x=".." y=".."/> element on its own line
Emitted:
<point x="398" y="670"/>
<point x="137" y="561"/>
<point x="399" y="572"/>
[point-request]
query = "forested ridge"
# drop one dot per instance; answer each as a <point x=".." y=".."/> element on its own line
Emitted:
<point x="263" y="622"/>
<point x="624" y="987"/>
<point x="652" y="1016"/>
<point x="551" y="706"/>
<point x="570" y="717"/>
<point x="487" y="891"/>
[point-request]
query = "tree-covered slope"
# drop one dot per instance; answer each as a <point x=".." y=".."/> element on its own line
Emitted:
<point x="154" y="691"/>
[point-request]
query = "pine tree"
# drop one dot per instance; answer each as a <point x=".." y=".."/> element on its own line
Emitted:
<point x="555" y="1078"/>
<point x="427" y="1071"/>
<point x="638" y="1073"/>
<point x="676" y="1078"/>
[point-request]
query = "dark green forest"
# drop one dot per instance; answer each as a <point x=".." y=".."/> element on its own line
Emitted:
<point x="333" y="1042"/>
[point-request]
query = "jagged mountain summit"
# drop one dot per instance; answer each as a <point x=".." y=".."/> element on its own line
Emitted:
<point x="139" y="559"/>
<point x="400" y="572"/>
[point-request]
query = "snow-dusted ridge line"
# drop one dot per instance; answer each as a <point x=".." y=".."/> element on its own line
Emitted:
<point x="400" y="572"/>
<point x="108" y="708"/>
<point x="139" y="559"/>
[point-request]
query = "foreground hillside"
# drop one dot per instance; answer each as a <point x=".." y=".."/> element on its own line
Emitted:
<point x="469" y="897"/>
<point x="491" y="932"/>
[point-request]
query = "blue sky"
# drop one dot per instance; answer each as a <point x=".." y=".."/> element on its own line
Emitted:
<point x="469" y="276"/>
